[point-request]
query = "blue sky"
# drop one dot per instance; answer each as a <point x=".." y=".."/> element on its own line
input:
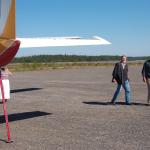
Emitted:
<point x="125" y="23"/>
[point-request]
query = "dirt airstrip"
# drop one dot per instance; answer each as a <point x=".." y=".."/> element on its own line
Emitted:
<point x="68" y="109"/>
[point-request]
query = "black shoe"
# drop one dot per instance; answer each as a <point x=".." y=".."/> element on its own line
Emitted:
<point x="113" y="103"/>
<point x="128" y="103"/>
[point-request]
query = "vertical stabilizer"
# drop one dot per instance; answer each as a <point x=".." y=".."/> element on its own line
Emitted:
<point x="7" y="19"/>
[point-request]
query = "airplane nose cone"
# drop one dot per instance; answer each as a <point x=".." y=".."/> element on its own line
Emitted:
<point x="9" y="53"/>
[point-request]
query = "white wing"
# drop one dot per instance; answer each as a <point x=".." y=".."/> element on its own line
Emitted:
<point x="60" y="41"/>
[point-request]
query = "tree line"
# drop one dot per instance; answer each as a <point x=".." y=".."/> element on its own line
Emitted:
<point x="71" y="58"/>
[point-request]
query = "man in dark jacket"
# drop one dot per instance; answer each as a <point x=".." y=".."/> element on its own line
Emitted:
<point x="146" y="77"/>
<point x="120" y="76"/>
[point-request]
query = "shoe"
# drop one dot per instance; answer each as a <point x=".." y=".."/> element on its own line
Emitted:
<point x="148" y="103"/>
<point x="113" y="103"/>
<point x="128" y="103"/>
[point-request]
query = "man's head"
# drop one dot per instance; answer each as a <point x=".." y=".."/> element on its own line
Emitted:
<point x="123" y="59"/>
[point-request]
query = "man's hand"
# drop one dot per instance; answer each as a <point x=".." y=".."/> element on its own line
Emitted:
<point x="144" y="79"/>
<point x="114" y="80"/>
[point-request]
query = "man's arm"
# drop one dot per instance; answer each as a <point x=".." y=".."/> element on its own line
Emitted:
<point x="114" y="73"/>
<point x="143" y="73"/>
<point x="127" y="72"/>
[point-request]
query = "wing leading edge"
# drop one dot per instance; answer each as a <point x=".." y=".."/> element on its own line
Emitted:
<point x="61" y="41"/>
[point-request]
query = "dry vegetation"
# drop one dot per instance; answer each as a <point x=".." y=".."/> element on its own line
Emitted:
<point x="16" y="67"/>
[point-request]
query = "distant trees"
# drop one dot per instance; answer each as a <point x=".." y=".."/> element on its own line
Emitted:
<point x="70" y="58"/>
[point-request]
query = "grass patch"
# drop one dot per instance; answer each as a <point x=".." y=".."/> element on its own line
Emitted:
<point x="16" y="67"/>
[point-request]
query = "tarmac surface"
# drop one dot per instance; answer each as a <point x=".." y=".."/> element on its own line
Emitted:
<point x="68" y="109"/>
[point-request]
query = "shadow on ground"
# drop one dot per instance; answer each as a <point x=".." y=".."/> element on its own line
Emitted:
<point x="24" y="90"/>
<point x="117" y="103"/>
<point x="24" y="115"/>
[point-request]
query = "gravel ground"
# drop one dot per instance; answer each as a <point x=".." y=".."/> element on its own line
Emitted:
<point x="68" y="109"/>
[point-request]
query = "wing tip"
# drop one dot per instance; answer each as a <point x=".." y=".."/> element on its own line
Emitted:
<point x="102" y="40"/>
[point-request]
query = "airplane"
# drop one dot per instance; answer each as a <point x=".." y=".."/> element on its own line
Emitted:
<point x="9" y="44"/>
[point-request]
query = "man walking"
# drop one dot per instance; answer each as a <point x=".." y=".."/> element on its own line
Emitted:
<point x="120" y="76"/>
<point x="146" y="77"/>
